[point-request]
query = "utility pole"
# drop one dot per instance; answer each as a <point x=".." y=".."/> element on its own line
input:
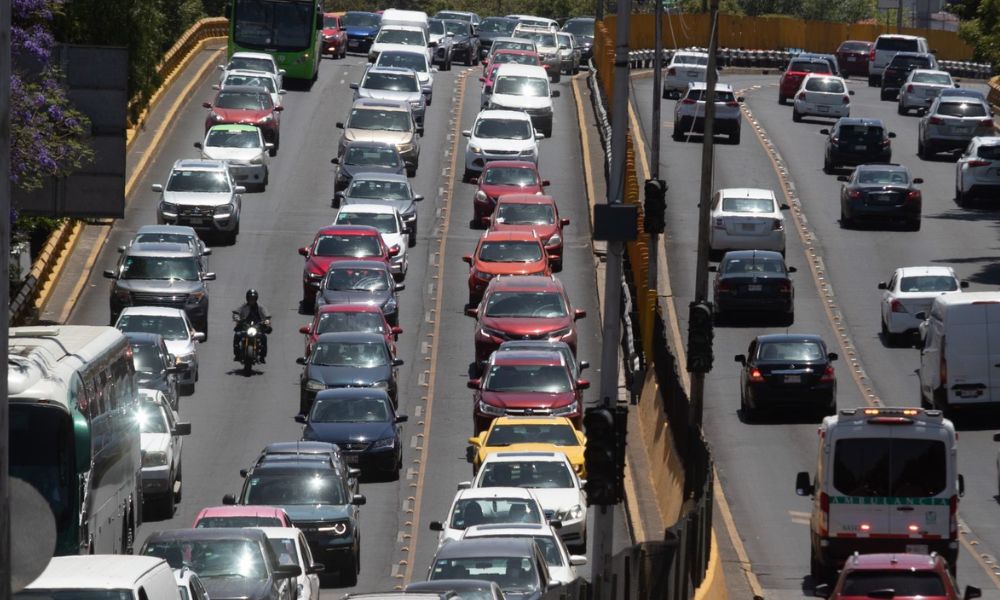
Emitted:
<point x="704" y="208"/>
<point x="654" y="238"/>
<point x="5" y="232"/>
<point x="899" y="16"/>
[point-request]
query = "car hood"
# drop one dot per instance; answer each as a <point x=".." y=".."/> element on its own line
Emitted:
<point x="355" y="297"/>
<point x="394" y="239"/>
<point x="233" y="588"/>
<point x="330" y="31"/>
<point x="390" y="95"/>
<point x="510" y="268"/>
<point x="352" y="170"/>
<point x="164" y="287"/>
<point x="382" y="47"/>
<point x="356" y="31"/>
<point x="180" y="347"/>
<point x="197" y="198"/>
<point x="525" y="326"/>
<point x="378" y="135"/>
<point x="585" y="40"/>
<point x="489" y="36"/>
<point x="235" y="115"/>
<point x="528" y="399"/>
<point x="349" y="375"/>
<point x="340" y="433"/>
<point x="154" y="442"/>
<point x="519" y="102"/>
<point x="435" y="37"/>
<point x="558" y="498"/>
<point x="488" y="144"/>
<point x="494" y="191"/>
<point x="239" y="154"/>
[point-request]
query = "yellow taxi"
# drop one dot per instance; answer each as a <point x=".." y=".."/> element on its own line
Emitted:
<point x="526" y="434"/>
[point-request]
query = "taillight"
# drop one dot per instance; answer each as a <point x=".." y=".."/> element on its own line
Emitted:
<point x="987" y="122"/>
<point x="847" y="99"/>
<point x="719" y="224"/>
<point x="801" y="96"/>
<point x="978" y="163"/>
<point x="687" y="101"/>
<point x="785" y="287"/>
<point x="777" y="225"/>
<point x="724" y="286"/>
<point x="897" y="307"/>
<point x="913" y="195"/>
<point x="828" y="374"/>
<point x="835" y="140"/>
<point x="756" y="376"/>
<point x="854" y="194"/>
<point x="909" y="88"/>
<point x="733" y="103"/>
<point x="886" y="141"/>
<point x="935" y="121"/>
<point x="671" y="71"/>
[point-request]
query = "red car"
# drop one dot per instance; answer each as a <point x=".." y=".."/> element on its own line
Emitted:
<point x="533" y="213"/>
<point x="501" y="177"/>
<point x="246" y="515"/>
<point x="246" y="105"/>
<point x="339" y="242"/>
<point x="796" y="71"/>
<point x="504" y="253"/>
<point x="897" y="576"/>
<point x="526" y="382"/>
<point x="334" y="37"/>
<point x="366" y="318"/>
<point x="853" y="58"/>
<point x="524" y="308"/>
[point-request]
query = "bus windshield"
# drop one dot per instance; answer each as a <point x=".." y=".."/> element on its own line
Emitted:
<point x="890" y="467"/>
<point x="41" y="453"/>
<point x="278" y="25"/>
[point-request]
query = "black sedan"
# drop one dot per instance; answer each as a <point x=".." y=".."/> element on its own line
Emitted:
<point x="754" y="280"/>
<point x="787" y="370"/>
<point x="882" y="192"/>
<point x="361" y="282"/>
<point x="856" y="142"/>
<point x="340" y="360"/>
<point x="465" y="44"/>
<point x="366" y="157"/>
<point x="364" y="425"/>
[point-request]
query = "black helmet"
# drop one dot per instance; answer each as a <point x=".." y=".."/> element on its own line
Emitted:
<point x="252" y="295"/>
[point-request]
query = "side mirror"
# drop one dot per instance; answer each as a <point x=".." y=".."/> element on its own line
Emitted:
<point x="712" y="268"/>
<point x="792" y="270"/>
<point x="278" y="108"/>
<point x="240" y="189"/>
<point x="281" y="71"/>
<point x="156" y="187"/>
<point x="300" y="418"/>
<point x="244" y="473"/>
<point x="109" y="274"/>
<point x="920" y="316"/>
<point x="198" y="336"/>
<point x="892" y="134"/>
<point x="338" y="125"/>
<point x="304" y="251"/>
<point x="467" y="259"/>
<point x="579" y="313"/>
<point x="335" y="161"/>
<point x="402" y="418"/>
<point x="400" y="287"/>
<point x="833" y="356"/>
<point x="418" y="198"/>
<point x="785" y="207"/>
<point x="844" y="178"/>
<point x="198" y="145"/>
<point x="850" y="92"/>
<point x="803" y="487"/>
<point x="552" y="585"/>
<point x="206" y="105"/>
<point x="546" y="183"/>
<point x="300" y="360"/>
<point x="822" y="590"/>
<point x="740" y="98"/>
<point x="473" y="384"/>
<point x="963" y="284"/>
<point x="996" y="437"/>
<point x="229" y="500"/>
<point x="463" y="485"/>
<point x="435" y="526"/>
<point x="971" y="591"/>
<point x="583" y="364"/>
<point x="539" y="136"/>
<point x="825" y="131"/>
<point x="181" y="429"/>
<point x="472" y="312"/>
<point x="740" y="358"/>
<point x="354" y="86"/>
<point x="582" y="384"/>
<point x="304" y="330"/>
<point x="396" y="330"/>
<point x="208" y="277"/>
<point x="483" y="79"/>
<point x="359" y="500"/>
<point x="883" y="285"/>
<point x="554" y="94"/>
<point x="466" y="133"/>
<point x="121" y="249"/>
<point x="917" y="180"/>
<point x="315" y="568"/>
<point x="961" y="485"/>
<point x="397" y="362"/>
<point x="282" y="92"/>
<point x="564" y="222"/>
<point x="287" y="571"/>
<point x="206" y="252"/>
<point x="394" y="251"/>
<point x="268" y="146"/>
<point x="485" y="222"/>
<point x="577" y="560"/>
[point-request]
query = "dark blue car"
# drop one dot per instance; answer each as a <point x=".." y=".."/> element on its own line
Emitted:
<point x="361" y="29"/>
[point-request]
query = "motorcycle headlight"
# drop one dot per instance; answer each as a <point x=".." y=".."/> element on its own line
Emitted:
<point x="315" y="386"/>
<point x="386" y="443"/>
<point x="251" y="331"/>
<point x="339" y="528"/>
<point x="154" y="459"/>
<point x="562" y="411"/>
<point x="555" y="239"/>
<point x="489" y="409"/>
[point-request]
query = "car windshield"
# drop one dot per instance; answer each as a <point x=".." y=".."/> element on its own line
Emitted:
<point x="525" y="214"/>
<point x="456" y="27"/>
<point x="345" y="279"/>
<point x="170" y="327"/>
<point x="160" y="268"/>
<point x="210" y="182"/>
<point x="883" y="177"/>
<point x="513" y="45"/>
<point x="896" y="44"/>
<point x="382" y="157"/>
<point x="240" y="522"/>
<point x="507" y="252"/>
<point x="989" y="152"/>
<point x="908" y="63"/>
<point x="357" y="19"/>
<point x="580" y="27"/>
<point x="535" y="87"/>
<point x="890" y="467"/>
<point x="928" y="283"/>
<point x="243" y="63"/>
<point x="543" y="379"/>
<point x="934" y="78"/>
<point x="170" y="238"/>
<point x="542" y="305"/>
<point x="860" y="133"/>
<point x="504" y="129"/>
<point x="509" y="57"/>
<point x="295" y="489"/>
<point x="513" y="575"/>
<point x="507" y="435"/>
<point x="379" y="120"/>
<point x="544" y="39"/>
<point x="251" y="80"/>
<point x="963" y="109"/>
<point x="364" y="322"/>
<point x="384" y="222"/>
<point x="487" y="511"/>
<point x="452" y="15"/>
<point x="908" y="584"/>
<point x="753" y="265"/>
<point x="147" y="358"/>
<point x="151" y="418"/>
<point x="748" y="205"/>
<point x="400" y="36"/>
<point x="526" y="474"/>
<point x="358" y="246"/>
<point x="212" y="558"/>
<point x="379" y="189"/>
<point x="790" y="351"/>
<point x="349" y="410"/>
<point x="494" y="25"/>
<point x="436" y="26"/>
<point x="513" y="176"/>
<point x="854" y="47"/>
<point x="330" y="22"/>
<point x="690" y="59"/>
<point x="406" y="60"/>
<point x="827" y="85"/>
<point x="243" y="101"/>
<point x="222" y="138"/>
<point x="565" y="39"/>
<point x="393" y="82"/>
<point x="363" y="355"/>
<point x="285" y="550"/>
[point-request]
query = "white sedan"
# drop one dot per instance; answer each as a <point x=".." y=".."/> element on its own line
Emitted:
<point x="921" y="87"/>
<point x="685" y="67"/>
<point x="487" y="506"/>
<point x="160" y="440"/>
<point x="912" y="290"/>
<point x="746" y="219"/>
<point x="177" y="331"/>
<point x="562" y="565"/>
<point x="499" y="135"/>
<point x="289" y="545"/>
<point x="388" y="222"/>
<point x="822" y="96"/>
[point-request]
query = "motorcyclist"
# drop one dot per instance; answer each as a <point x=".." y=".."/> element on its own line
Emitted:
<point x="251" y="312"/>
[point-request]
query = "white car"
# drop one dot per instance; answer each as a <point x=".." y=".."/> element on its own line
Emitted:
<point x="389" y="223"/>
<point x="533" y="21"/>
<point x="203" y="194"/>
<point x="977" y="172"/>
<point x="912" y="290"/>
<point x="685" y="67"/>
<point x="394" y="37"/>
<point x="260" y="79"/>
<point x="189" y="586"/>
<point x="499" y="135"/>
<point x="170" y="234"/>
<point x="243" y="148"/>
<point x="921" y="87"/>
<point x="689" y="113"/>
<point x="822" y="96"/>
<point x="175" y="327"/>
<point x="551" y="477"/>
<point x="160" y="439"/>
<point x="406" y="57"/>
<point x="524" y="88"/>
<point x="290" y="547"/>
<point x="746" y="219"/>
<point x="485" y="506"/>
<point x="253" y="61"/>
<point x="562" y="565"/>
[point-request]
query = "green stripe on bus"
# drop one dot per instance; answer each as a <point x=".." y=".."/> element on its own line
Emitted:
<point x="889" y="500"/>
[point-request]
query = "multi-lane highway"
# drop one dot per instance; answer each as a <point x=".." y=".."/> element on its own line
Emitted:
<point x="757" y="463"/>
<point x="234" y="416"/>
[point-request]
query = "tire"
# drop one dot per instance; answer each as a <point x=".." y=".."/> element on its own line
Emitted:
<point x="168" y="503"/>
<point x="782" y="99"/>
<point x="467" y="175"/>
<point x="961" y="199"/>
<point x="921" y="151"/>
<point x="900" y="109"/>
<point x="557" y="77"/>
<point x="883" y="95"/>
<point x="349" y="572"/>
<point x="828" y="166"/>
<point x="547" y="131"/>
<point x="820" y="572"/>
<point x="273" y="151"/>
<point x="913" y="225"/>
<point x="468" y="58"/>
<point x="872" y="81"/>
<point x="203" y="327"/>
<point x="745" y="411"/>
<point x="796" y="116"/>
<point x="845" y="221"/>
<point x="734" y="138"/>
<point x="411" y="171"/>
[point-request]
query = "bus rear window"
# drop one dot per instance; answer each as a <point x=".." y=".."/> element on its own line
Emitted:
<point x="890" y="467"/>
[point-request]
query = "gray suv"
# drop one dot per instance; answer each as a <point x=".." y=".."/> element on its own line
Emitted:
<point x="161" y="274"/>
<point x="201" y="194"/>
<point x="951" y="123"/>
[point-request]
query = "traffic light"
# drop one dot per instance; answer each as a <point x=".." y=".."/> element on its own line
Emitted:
<point x="604" y="456"/>
<point x="655" y="206"/>
<point x="700" y="336"/>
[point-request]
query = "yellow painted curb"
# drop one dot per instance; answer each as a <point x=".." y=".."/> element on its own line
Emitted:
<point x="57" y="268"/>
<point x="713" y="587"/>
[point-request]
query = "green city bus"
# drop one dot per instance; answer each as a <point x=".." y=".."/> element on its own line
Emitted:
<point x="288" y="30"/>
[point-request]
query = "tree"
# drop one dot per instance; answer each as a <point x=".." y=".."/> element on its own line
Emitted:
<point x="983" y="32"/>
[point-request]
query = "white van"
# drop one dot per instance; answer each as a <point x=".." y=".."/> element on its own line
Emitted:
<point x="960" y="351"/>
<point x="886" y="481"/>
<point x="524" y="88"/>
<point x="134" y="577"/>
<point x="405" y="18"/>
<point x="886" y="46"/>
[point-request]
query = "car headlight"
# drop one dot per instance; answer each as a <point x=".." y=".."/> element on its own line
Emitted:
<point x="570" y="514"/>
<point x="481" y="196"/>
<point x="386" y="443"/>
<point x="154" y="459"/>
<point x="555" y="239"/>
<point x="528" y="152"/>
<point x="482" y="275"/>
<point x="490" y="332"/>
<point x="489" y="409"/>
<point x="314" y="276"/>
<point x="381" y="385"/>
<point x="475" y="149"/>
<point x="339" y="528"/>
<point x="404" y="148"/>
<point x="266" y="119"/>
<point x="389" y="306"/>
<point x="314" y="385"/>
<point x="327" y="36"/>
<point x="562" y="411"/>
<point x="218" y="117"/>
<point x="168" y="207"/>
<point x="418" y="104"/>
<point x="257" y="160"/>
<point x="561" y="332"/>
<point x="123" y="296"/>
<point x="186" y="358"/>
<point x="225" y="210"/>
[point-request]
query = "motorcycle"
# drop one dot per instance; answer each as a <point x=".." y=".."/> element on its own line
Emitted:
<point x="249" y="348"/>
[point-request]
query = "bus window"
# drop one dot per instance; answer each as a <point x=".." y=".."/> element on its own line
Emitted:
<point x="41" y="453"/>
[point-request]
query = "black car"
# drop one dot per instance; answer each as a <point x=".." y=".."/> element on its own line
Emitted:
<point x="465" y="588"/>
<point x="883" y="192"/>
<point x="464" y="42"/>
<point x="754" y="280"/>
<point x="155" y="368"/>
<point x="318" y="502"/>
<point x="582" y="29"/>
<point x="362" y="422"/>
<point x="787" y="370"/>
<point x="492" y="28"/>
<point x="231" y="562"/>
<point x="327" y="454"/>
<point x="899" y="69"/>
<point x="364" y="282"/>
<point x="856" y="141"/>
<point x="341" y="360"/>
<point x="366" y="157"/>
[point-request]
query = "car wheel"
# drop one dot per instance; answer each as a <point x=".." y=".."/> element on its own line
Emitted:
<point x="734" y="138"/>
<point x="921" y="151"/>
<point x="745" y="411"/>
<point x="960" y="197"/>
<point x="349" y="572"/>
<point x="557" y="76"/>
<point x="796" y="116"/>
<point x="872" y="81"/>
<point x="828" y="166"/>
<point x="468" y="59"/>
<point x="820" y="573"/>
<point x="913" y="225"/>
<point x="179" y="478"/>
<point x="781" y="99"/>
<point x="678" y="135"/>
<point x="203" y="327"/>
<point x="168" y="503"/>
<point x="900" y="109"/>
<point x="411" y="170"/>
<point x="468" y="175"/>
<point x="845" y="221"/>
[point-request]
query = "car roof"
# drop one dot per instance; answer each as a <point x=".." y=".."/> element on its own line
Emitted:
<point x="515" y="456"/>
<point x="244" y="89"/>
<point x="392" y="70"/>
<point x="515" y="52"/>
<point x="300" y="447"/>
<point x="153" y="311"/>
<point x="363" y="230"/>
<point x="101" y="571"/>
<point x="959" y="100"/>
<point x="747" y="193"/>
<point x="457" y="585"/>
<point x="369" y="143"/>
<point x="200" y="164"/>
<point x="905" y="54"/>
<point x="745" y="254"/>
<point x="929" y="72"/>
<point x="525" y="420"/>
<point x="526" y="283"/>
<point x="516" y="493"/>
<point x="386" y="104"/>
<point x="987" y="140"/>
<point x="165" y="249"/>
<point x="351" y="336"/>
<point x="512" y="39"/>
<point x="495" y="529"/>
<point x="931" y="270"/>
<point x="486" y="547"/>
<point x="962" y="92"/>
<point x="510" y="236"/>
<point x="378" y="209"/>
<point x="175" y="229"/>
<point x="902" y="562"/>
<point x="520" y="164"/>
<point x="292" y="467"/>
<point x="516" y="70"/>
<point x="359" y="264"/>
<point x="790" y="337"/>
<point x="253" y="72"/>
<point x="898" y="35"/>
<point x="208" y="533"/>
<point x="281" y="533"/>
<point x="516" y="115"/>
<point x="252" y="55"/>
<point x="968" y="298"/>
<point x="882" y="167"/>
<point x="525" y="199"/>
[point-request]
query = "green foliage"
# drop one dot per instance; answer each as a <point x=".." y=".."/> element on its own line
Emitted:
<point x="843" y="11"/>
<point x="983" y="32"/>
<point x="556" y="9"/>
<point x="179" y="16"/>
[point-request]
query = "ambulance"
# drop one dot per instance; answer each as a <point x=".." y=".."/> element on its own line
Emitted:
<point x="886" y="481"/>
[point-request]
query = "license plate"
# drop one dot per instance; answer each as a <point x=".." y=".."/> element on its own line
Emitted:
<point x="823" y="108"/>
<point x="754" y="287"/>
<point x="967" y="393"/>
<point x="693" y="74"/>
<point x="748" y="227"/>
<point x="196" y="221"/>
<point x="351" y="459"/>
<point x="916" y="548"/>
<point x="852" y="59"/>
<point x="352" y="44"/>
<point x="793" y="379"/>
<point x="860" y="148"/>
<point x="959" y="130"/>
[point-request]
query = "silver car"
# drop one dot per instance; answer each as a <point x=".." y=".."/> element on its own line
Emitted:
<point x="243" y="148"/>
<point x="547" y="45"/>
<point x="951" y="123"/>
<point x="393" y="83"/>
<point x="172" y="234"/>
<point x="411" y="59"/>
<point x="387" y="189"/>
<point x="569" y="53"/>
<point x="202" y="194"/>
<point x="921" y="87"/>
